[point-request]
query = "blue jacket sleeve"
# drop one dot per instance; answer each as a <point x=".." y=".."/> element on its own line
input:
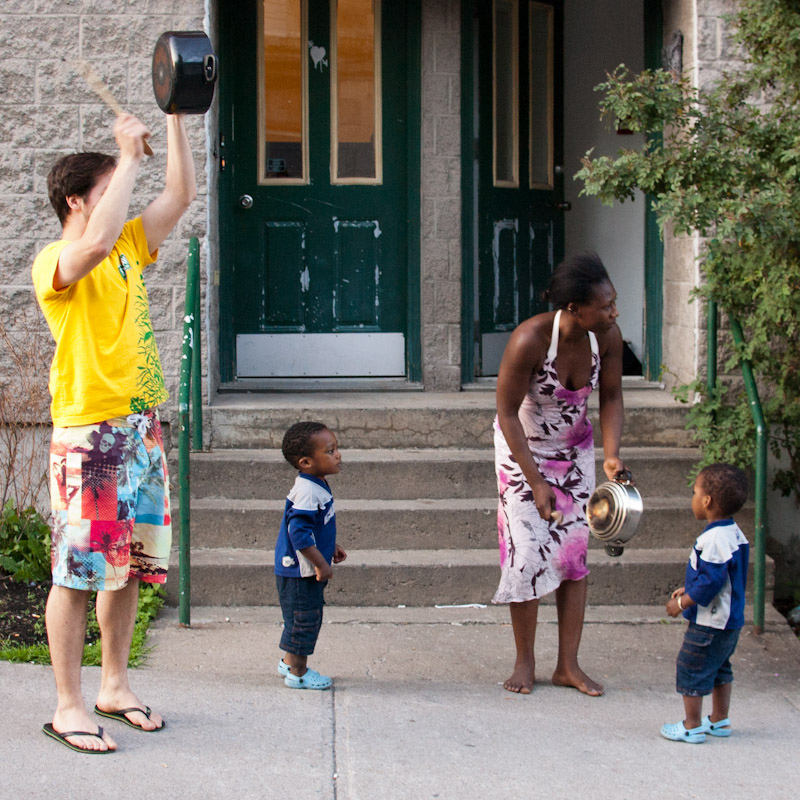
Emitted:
<point x="708" y="582"/>
<point x="300" y="528"/>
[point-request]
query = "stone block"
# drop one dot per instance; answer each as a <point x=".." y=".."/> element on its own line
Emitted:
<point x="435" y="344"/>
<point x="447" y="218"/>
<point x="442" y="177"/>
<point x="447" y="141"/>
<point x="435" y="260"/>
<point x="429" y="310"/>
<point x="22" y="217"/>
<point x="16" y="258"/>
<point x="447" y="300"/>
<point x="447" y="53"/>
<point x="708" y="38"/>
<point x="162" y="307"/>
<point x="16" y="171"/>
<point x="435" y="93"/>
<point x="31" y="33"/>
<point x="17" y="77"/>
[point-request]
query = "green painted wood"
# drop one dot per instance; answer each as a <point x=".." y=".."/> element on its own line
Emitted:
<point x="653" y="243"/>
<point x="317" y="258"/>
<point x="520" y="229"/>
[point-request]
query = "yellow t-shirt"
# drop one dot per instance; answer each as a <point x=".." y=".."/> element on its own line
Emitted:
<point x="106" y="362"/>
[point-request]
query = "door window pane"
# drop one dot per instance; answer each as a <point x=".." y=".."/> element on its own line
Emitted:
<point x="541" y="99"/>
<point x="506" y="103"/>
<point x="355" y="92"/>
<point x="283" y="152"/>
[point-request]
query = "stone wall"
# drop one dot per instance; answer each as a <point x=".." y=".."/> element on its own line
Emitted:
<point x="441" y="195"/>
<point x="708" y="50"/>
<point x="46" y="111"/>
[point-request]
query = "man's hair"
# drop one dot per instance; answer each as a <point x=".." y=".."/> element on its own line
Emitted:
<point x="727" y="486"/>
<point x="298" y="441"/>
<point x="75" y="174"/>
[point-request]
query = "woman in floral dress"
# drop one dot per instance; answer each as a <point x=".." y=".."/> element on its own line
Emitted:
<point x="544" y="458"/>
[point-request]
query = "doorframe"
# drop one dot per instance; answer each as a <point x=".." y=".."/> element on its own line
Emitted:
<point x="227" y="155"/>
<point x="468" y="188"/>
<point x="653" y="241"/>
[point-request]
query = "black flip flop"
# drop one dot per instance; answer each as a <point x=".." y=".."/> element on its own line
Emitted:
<point x="119" y="715"/>
<point x="50" y="731"/>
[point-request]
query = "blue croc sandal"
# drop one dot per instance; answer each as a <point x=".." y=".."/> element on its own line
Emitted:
<point x="283" y="668"/>
<point x="310" y="680"/>
<point x="677" y="733"/>
<point x="721" y="728"/>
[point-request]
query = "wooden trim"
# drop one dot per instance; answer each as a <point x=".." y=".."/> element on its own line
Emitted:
<point x="514" y="182"/>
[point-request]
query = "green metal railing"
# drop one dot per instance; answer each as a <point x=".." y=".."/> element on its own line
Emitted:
<point x="760" y="465"/>
<point x="189" y="388"/>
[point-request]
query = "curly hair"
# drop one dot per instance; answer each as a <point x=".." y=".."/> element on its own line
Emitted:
<point x="298" y="441"/>
<point x="574" y="280"/>
<point x="75" y="174"/>
<point x="726" y="484"/>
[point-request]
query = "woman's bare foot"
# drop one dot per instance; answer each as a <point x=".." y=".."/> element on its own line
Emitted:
<point x="579" y="680"/>
<point x="521" y="680"/>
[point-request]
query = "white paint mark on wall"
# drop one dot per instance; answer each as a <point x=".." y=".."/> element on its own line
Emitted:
<point x="305" y="280"/>
<point x="377" y="232"/>
<point x="333" y="306"/>
<point x="336" y="224"/>
<point x="317" y="53"/>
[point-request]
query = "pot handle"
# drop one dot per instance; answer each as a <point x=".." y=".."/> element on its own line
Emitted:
<point x="624" y="476"/>
<point x="210" y="68"/>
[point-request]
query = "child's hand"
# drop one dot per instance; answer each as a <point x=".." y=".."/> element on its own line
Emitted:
<point x="339" y="555"/>
<point x="324" y="573"/>
<point x="673" y="609"/>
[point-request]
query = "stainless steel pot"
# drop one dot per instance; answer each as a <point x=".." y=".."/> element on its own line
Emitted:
<point x="614" y="511"/>
<point x="184" y="72"/>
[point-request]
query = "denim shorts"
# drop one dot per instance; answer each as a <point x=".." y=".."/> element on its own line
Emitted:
<point x="301" y="602"/>
<point x="704" y="660"/>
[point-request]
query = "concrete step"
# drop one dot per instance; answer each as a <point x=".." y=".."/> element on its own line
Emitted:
<point x="411" y="473"/>
<point x="428" y="577"/>
<point x="447" y="524"/>
<point x="374" y="420"/>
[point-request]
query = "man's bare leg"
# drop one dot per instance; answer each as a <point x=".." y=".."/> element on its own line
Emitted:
<point x="65" y="617"/>
<point x="571" y="604"/>
<point x="116" y="615"/>
<point x="524" y="617"/>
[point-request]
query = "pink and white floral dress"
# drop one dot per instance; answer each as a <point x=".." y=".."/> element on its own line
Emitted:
<point x="537" y="555"/>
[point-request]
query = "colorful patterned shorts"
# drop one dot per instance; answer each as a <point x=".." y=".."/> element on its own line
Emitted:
<point x="109" y="492"/>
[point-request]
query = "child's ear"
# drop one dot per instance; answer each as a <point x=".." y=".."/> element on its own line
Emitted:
<point x="304" y="462"/>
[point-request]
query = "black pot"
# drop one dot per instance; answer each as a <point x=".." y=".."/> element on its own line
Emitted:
<point x="184" y="72"/>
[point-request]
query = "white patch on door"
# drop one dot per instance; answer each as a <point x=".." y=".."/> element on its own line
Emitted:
<point x="305" y="279"/>
<point x="317" y="53"/>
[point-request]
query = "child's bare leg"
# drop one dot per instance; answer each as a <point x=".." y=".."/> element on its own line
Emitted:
<point x="524" y="617"/>
<point x="721" y="702"/>
<point x="693" y="708"/>
<point x="296" y="663"/>
<point x="571" y="605"/>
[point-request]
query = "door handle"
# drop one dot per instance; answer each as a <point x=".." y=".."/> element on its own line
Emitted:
<point x="563" y="205"/>
<point x="246" y="201"/>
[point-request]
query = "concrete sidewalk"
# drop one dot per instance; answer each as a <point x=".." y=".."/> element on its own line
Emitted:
<point x="417" y="711"/>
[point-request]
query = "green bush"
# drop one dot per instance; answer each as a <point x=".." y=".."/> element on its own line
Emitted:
<point x="725" y="162"/>
<point x="24" y="543"/>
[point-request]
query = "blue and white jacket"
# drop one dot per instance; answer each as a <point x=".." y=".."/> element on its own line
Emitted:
<point x="716" y="576"/>
<point x="308" y="519"/>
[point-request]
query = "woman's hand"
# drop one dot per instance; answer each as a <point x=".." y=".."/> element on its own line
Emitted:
<point x="545" y="499"/>
<point x="612" y="466"/>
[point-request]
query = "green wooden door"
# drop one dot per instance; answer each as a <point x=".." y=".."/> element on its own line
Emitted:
<point x="520" y="180"/>
<point x="314" y="188"/>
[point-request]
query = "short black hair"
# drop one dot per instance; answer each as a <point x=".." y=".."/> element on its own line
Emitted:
<point x="75" y="174"/>
<point x="574" y="280"/>
<point x="298" y="441"/>
<point x="726" y="485"/>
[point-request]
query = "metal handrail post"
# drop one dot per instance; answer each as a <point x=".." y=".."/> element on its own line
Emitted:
<point x="197" y="382"/>
<point x="184" y="393"/>
<point x="760" y="571"/>
<point x="711" y="329"/>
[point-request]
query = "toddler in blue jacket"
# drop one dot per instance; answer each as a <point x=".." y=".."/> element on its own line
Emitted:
<point x="305" y="548"/>
<point x="712" y="599"/>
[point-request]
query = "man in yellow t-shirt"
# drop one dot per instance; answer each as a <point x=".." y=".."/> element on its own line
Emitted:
<point x="109" y="490"/>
